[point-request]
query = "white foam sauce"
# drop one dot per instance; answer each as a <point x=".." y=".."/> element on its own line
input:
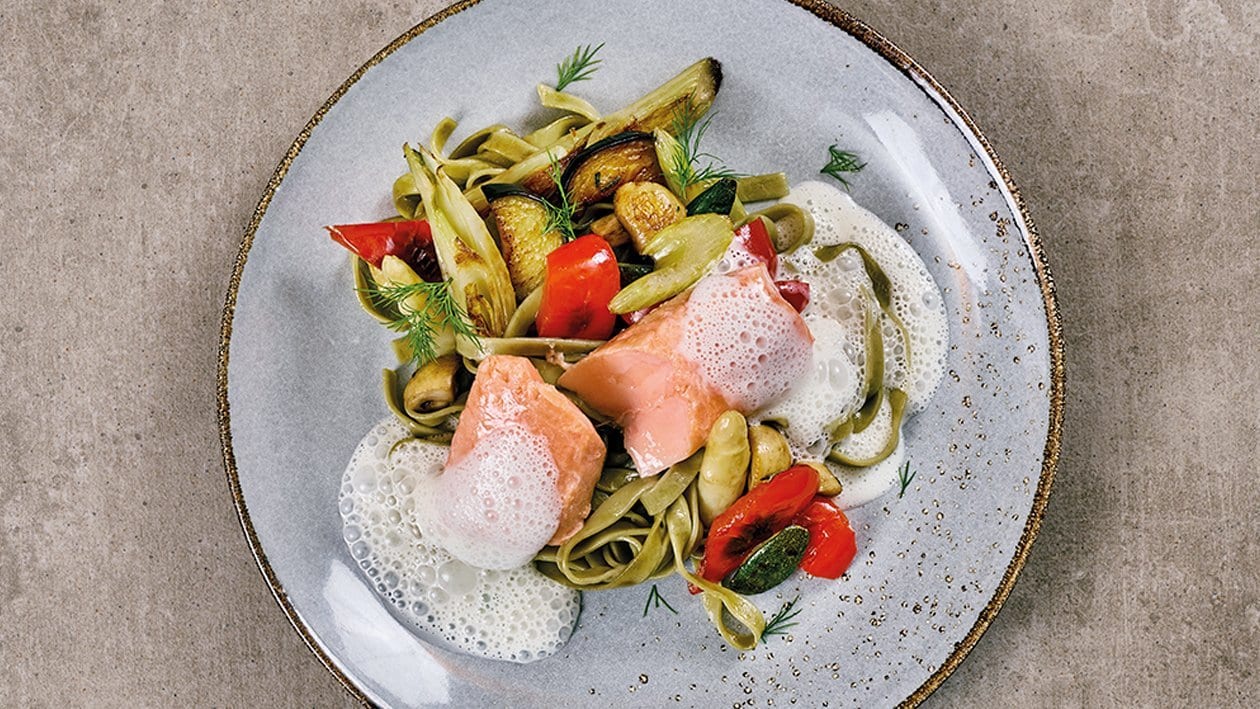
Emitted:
<point x="840" y="296"/>
<point x="832" y="388"/>
<point x="517" y="615"/>
<point x="916" y="299"/>
<point x="746" y="344"/>
<point x="861" y="485"/>
<point x="498" y="505"/>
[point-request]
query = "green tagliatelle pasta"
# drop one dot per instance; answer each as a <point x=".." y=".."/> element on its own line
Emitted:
<point x="496" y="152"/>
<point x="643" y="529"/>
<point x="789" y="226"/>
<point x="880" y="399"/>
<point x="551" y="98"/>
<point x="760" y="188"/>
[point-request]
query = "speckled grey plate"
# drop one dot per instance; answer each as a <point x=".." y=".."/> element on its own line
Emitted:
<point x="300" y="364"/>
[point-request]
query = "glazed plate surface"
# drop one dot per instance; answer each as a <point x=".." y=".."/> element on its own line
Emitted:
<point x="301" y="363"/>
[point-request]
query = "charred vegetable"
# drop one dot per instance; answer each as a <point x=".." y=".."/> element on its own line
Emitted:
<point x="521" y="218"/>
<point x="465" y="249"/>
<point x="696" y="86"/>
<point x="645" y="208"/>
<point x="594" y="174"/>
<point x="754" y="518"/>
<point x="718" y="198"/>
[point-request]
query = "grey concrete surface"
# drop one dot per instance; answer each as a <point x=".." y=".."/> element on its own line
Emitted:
<point x="136" y="138"/>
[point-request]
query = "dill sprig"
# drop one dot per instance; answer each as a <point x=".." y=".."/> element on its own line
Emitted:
<point x="841" y="162"/>
<point x="559" y="216"/>
<point x="779" y="624"/>
<point x="578" y="67"/>
<point x="423" y="325"/>
<point x="688" y="128"/>
<point x="905" y="476"/>
<point x="655" y="595"/>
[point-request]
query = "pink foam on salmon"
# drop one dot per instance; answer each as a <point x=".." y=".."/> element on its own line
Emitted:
<point x="509" y="394"/>
<point x="731" y="342"/>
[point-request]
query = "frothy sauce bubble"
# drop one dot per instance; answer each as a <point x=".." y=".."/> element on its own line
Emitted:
<point x="515" y="614"/>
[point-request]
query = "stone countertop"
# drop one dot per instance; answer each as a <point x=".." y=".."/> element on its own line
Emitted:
<point x="136" y="139"/>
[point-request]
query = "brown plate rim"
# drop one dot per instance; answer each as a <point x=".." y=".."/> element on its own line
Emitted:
<point x="890" y="52"/>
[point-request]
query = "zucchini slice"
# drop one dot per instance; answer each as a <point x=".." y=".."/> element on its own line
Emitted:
<point x="594" y="174"/>
<point x="771" y="563"/>
<point x="718" y="198"/>
<point x="521" y="218"/>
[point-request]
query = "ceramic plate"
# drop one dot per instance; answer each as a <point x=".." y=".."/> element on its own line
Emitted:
<point x="300" y="363"/>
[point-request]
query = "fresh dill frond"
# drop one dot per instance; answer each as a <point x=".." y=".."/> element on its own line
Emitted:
<point x="579" y="66"/>
<point x="688" y="128"/>
<point x="841" y="162"/>
<point x="559" y="216"/>
<point x="655" y="595"/>
<point x="905" y="476"/>
<point x="779" y="624"/>
<point x="423" y="325"/>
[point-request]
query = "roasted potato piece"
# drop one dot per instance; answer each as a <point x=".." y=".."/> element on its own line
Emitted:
<point x="645" y="208"/>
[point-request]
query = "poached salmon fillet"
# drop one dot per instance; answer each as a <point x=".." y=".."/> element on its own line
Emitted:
<point x="523" y="464"/>
<point x="731" y="342"/>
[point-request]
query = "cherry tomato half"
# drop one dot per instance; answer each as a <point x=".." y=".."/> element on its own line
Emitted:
<point x="832" y="544"/>
<point x="754" y="240"/>
<point x="410" y="241"/>
<point x="582" y="277"/>
<point x="755" y="517"/>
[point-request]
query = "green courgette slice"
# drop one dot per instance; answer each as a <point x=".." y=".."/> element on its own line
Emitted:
<point x="718" y="198"/>
<point x="771" y="563"/>
<point x="594" y="174"/>
<point x="524" y="239"/>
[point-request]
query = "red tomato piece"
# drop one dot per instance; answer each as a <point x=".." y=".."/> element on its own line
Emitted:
<point x="411" y="241"/>
<point x="754" y="240"/>
<point x="582" y="277"/>
<point x="760" y="514"/>
<point x="832" y="544"/>
<point x="796" y="293"/>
